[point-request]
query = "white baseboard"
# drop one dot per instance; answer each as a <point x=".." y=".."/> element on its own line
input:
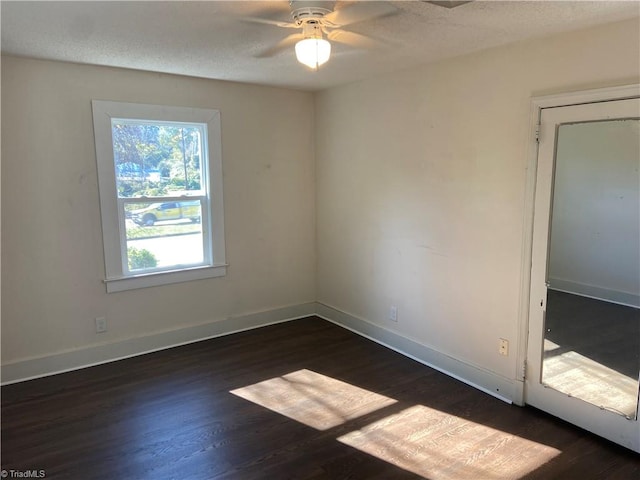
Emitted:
<point x="96" y="355"/>
<point x="592" y="291"/>
<point x="505" y="389"/>
<point x="508" y="390"/>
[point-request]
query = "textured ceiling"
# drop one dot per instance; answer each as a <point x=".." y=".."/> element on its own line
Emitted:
<point x="208" y="39"/>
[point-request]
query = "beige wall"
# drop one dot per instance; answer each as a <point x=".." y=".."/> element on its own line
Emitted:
<point x="52" y="256"/>
<point x="415" y="197"/>
<point x="594" y="244"/>
<point x="420" y="179"/>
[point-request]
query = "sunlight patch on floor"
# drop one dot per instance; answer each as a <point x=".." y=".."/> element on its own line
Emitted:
<point x="583" y="378"/>
<point x="313" y="399"/>
<point x="440" y="446"/>
<point x="550" y="346"/>
<point x="419" y="439"/>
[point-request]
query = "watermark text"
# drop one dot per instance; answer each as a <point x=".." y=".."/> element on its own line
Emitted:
<point x="23" y="474"/>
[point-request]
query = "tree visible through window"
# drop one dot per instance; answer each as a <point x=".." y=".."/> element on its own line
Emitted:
<point x="156" y="159"/>
<point x="155" y="177"/>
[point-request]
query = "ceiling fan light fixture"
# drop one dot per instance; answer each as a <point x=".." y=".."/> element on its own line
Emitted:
<point x="313" y="52"/>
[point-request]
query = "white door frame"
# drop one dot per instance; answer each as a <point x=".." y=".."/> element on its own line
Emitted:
<point x="537" y="105"/>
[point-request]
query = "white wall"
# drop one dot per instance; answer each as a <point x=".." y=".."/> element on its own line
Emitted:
<point x="415" y="197"/>
<point x="421" y="183"/>
<point x="52" y="258"/>
<point x="595" y="227"/>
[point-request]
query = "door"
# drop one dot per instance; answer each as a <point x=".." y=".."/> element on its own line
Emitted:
<point x="583" y="348"/>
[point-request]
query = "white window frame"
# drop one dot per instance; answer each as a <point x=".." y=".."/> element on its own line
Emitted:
<point x="117" y="275"/>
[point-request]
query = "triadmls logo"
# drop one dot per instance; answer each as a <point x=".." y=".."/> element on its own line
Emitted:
<point x="23" y="474"/>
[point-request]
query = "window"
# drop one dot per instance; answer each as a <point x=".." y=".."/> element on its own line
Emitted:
<point x="160" y="179"/>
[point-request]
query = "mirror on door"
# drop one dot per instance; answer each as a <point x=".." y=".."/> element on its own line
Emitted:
<point x="592" y="323"/>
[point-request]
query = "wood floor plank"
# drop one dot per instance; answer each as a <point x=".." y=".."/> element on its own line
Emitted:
<point x="301" y="400"/>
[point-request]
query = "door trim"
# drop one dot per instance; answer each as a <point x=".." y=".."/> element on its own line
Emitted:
<point x="537" y="106"/>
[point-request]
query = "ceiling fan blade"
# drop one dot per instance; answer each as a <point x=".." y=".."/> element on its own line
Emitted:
<point x="354" y="39"/>
<point x="281" y="46"/>
<point x="448" y="3"/>
<point x="266" y="21"/>
<point x="359" y="12"/>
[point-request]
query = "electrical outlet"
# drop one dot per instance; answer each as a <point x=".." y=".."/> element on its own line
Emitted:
<point x="393" y="313"/>
<point x="101" y="324"/>
<point x="503" y="347"/>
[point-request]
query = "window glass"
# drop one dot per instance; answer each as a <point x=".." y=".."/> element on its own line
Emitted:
<point x="160" y="187"/>
<point x="154" y="159"/>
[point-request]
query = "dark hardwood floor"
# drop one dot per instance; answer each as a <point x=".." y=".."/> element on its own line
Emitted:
<point x="300" y="400"/>
<point x="592" y="351"/>
<point x="605" y="332"/>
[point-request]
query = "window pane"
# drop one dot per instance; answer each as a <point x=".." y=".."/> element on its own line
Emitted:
<point x="156" y="159"/>
<point x="153" y="172"/>
<point x="163" y="235"/>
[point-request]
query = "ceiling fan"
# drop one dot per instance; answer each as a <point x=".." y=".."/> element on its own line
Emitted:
<point x="317" y="20"/>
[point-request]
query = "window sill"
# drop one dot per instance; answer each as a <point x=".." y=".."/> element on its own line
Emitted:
<point x="164" y="278"/>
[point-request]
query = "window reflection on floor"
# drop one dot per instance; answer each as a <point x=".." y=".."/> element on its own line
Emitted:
<point x="592" y="351"/>
<point x="441" y="446"/>
<point x="419" y="439"/>
<point x="314" y="399"/>
<point x="590" y="381"/>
